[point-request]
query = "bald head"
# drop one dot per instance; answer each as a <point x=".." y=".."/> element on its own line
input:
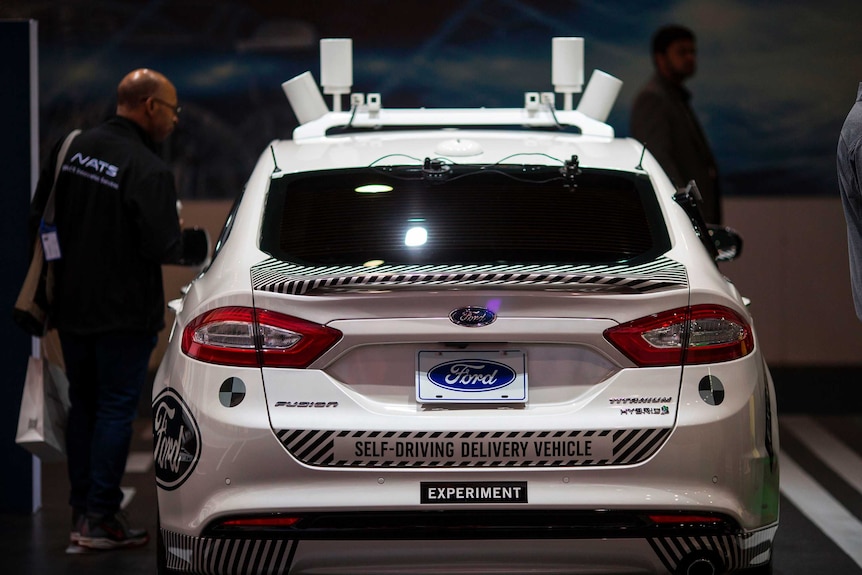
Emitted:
<point x="149" y="99"/>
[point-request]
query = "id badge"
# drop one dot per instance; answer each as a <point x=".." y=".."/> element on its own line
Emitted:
<point x="50" y="242"/>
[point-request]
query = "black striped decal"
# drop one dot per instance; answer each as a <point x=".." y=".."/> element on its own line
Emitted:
<point x="736" y="552"/>
<point x="284" y="277"/>
<point x="215" y="556"/>
<point x="210" y="555"/>
<point x="447" y="449"/>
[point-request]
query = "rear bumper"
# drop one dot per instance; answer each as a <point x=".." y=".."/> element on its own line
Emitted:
<point x="452" y="543"/>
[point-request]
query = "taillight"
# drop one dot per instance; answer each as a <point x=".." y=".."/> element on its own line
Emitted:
<point x="247" y="337"/>
<point x="694" y="335"/>
<point x="681" y="519"/>
<point x="276" y="521"/>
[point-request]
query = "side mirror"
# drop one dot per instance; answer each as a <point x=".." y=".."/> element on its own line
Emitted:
<point x="196" y="247"/>
<point x="723" y="243"/>
<point x="727" y="242"/>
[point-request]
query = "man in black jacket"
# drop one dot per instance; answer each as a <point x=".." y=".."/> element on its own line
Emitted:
<point x="116" y="222"/>
<point x="849" y="157"/>
<point x="662" y="118"/>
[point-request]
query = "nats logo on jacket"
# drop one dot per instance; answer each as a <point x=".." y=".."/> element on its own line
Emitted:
<point x="94" y="169"/>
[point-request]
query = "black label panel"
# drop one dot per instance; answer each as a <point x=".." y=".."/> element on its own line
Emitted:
<point x="474" y="492"/>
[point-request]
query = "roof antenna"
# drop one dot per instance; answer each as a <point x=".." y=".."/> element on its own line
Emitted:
<point x="640" y="165"/>
<point x="435" y="170"/>
<point x="571" y="170"/>
<point x="274" y="163"/>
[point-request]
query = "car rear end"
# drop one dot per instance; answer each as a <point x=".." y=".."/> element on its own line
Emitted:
<point x="421" y="366"/>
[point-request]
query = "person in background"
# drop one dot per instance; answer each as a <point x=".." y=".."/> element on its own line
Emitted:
<point x="662" y="118"/>
<point x="117" y="223"/>
<point x="850" y="188"/>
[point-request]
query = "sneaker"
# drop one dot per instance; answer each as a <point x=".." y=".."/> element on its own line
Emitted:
<point x="77" y="524"/>
<point x="78" y="519"/>
<point x="110" y="532"/>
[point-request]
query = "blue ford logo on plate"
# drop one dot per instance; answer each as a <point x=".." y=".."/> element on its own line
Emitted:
<point x="472" y="316"/>
<point x="471" y="375"/>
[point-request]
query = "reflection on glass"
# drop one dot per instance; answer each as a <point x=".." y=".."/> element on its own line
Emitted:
<point x="373" y="189"/>
<point x="416" y="237"/>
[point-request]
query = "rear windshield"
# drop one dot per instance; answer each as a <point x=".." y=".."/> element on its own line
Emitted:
<point x="462" y="215"/>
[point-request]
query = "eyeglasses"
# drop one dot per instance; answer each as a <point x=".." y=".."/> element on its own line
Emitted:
<point x="176" y="108"/>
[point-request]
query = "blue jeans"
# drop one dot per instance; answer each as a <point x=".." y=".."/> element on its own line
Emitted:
<point x="106" y="374"/>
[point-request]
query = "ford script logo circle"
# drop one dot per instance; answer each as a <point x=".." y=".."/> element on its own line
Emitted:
<point x="471" y="375"/>
<point x="472" y="316"/>
<point x="177" y="440"/>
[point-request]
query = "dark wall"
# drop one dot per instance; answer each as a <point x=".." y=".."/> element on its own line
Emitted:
<point x="15" y="166"/>
<point x="774" y="80"/>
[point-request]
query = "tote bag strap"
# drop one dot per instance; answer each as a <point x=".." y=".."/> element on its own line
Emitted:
<point x="48" y="213"/>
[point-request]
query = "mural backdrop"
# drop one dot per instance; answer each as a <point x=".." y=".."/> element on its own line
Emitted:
<point x="775" y="79"/>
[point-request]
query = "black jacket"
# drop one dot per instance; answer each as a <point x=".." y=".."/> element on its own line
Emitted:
<point x="116" y="218"/>
<point x="662" y="119"/>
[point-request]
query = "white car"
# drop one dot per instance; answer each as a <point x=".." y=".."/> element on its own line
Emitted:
<point x="464" y="341"/>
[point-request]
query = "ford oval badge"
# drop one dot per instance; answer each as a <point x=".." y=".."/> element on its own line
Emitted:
<point x="471" y="375"/>
<point x="472" y="316"/>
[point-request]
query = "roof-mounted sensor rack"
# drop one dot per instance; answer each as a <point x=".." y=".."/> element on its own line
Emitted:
<point x="367" y="112"/>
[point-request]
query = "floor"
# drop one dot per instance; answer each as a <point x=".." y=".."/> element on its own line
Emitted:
<point x="821" y="513"/>
<point x="37" y="544"/>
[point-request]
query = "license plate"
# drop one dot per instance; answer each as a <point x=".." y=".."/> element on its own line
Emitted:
<point x="471" y="377"/>
<point x="473" y="492"/>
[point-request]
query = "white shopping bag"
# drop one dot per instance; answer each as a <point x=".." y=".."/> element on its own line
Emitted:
<point x="44" y="409"/>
